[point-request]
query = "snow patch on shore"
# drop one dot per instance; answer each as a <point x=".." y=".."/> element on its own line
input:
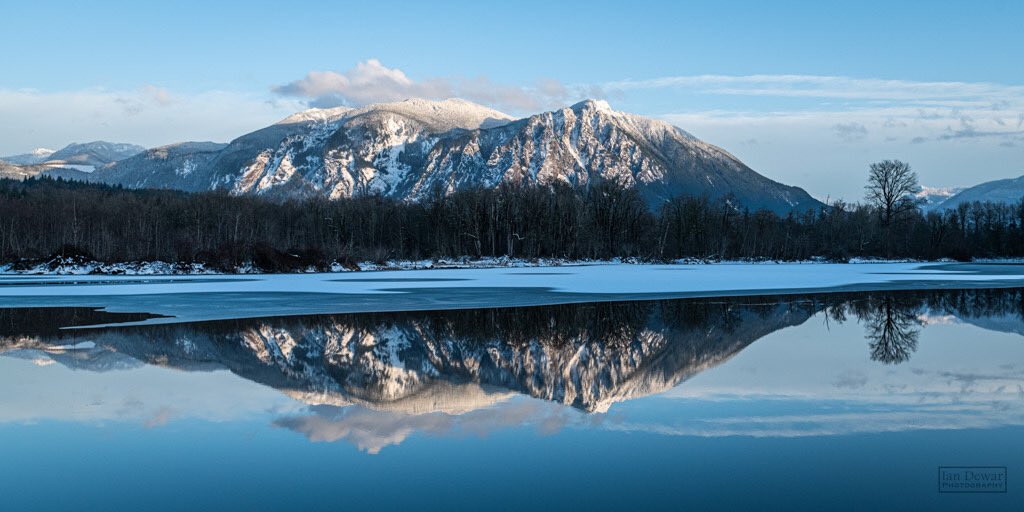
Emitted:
<point x="144" y="268"/>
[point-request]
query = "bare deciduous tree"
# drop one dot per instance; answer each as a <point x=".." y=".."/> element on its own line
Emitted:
<point x="891" y="188"/>
<point x="893" y="330"/>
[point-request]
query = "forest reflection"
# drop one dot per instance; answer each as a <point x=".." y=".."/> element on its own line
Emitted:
<point x="586" y="356"/>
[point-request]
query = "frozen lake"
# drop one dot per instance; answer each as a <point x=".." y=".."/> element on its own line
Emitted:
<point x="193" y="298"/>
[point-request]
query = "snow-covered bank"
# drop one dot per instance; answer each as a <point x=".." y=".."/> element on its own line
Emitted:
<point x="155" y="268"/>
<point x="189" y="298"/>
<point x="133" y="268"/>
<point x="57" y="266"/>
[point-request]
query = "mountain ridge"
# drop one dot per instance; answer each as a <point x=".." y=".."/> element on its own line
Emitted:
<point x="1007" y="190"/>
<point x="75" y="161"/>
<point x="412" y="149"/>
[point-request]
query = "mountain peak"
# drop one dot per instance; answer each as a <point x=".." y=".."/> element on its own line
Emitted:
<point x="446" y="114"/>
<point x="316" y="114"/>
<point x="592" y="104"/>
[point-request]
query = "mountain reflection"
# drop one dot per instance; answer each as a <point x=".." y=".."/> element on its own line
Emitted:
<point x="587" y="356"/>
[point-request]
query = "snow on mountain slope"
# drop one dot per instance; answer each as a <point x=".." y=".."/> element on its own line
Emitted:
<point x="408" y="149"/>
<point x="442" y="116"/>
<point x="445" y="115"/>
<point x="35" y="156"/>
<point x="171" y="166"/>
<point x="16" y="172"/>
<point x="96" y="153"/>
<point x="931" y="197"/>
<point x="589" y="141"/>
<point x="83" y="157"/>
<point x="372" y="149"/>
<point x="53" y="170"/>
<point x="316" y="115"/>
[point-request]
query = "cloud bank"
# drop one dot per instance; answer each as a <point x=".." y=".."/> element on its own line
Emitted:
<point x="373" y="82"/>
<point x="150" y="116"/>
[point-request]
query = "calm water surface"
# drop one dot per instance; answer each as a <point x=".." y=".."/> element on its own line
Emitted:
<point x="828" y="402"/>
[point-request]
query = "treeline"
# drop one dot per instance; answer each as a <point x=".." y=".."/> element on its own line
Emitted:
<point x="41" y="218"/>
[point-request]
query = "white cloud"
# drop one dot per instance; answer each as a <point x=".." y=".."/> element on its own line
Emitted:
<point x="852" y="106"/>
<point x="373" y="82"/>
<point x="367" y="82"/>
<point x="837" y="87"/>
<point x="150" y="116"/>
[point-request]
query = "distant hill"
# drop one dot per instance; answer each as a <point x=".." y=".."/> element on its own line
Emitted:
<point x="36" y="156"/>
<point x="1009" y="190"/>
<point x="20" y="172"/>
<point x="92" y="154"/>
<point x="74" y="161"/>
<point x="932" y="197"/>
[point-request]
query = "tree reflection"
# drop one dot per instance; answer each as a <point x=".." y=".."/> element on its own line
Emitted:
<point x="893" y="320"/>
<point x="893" y="328"/>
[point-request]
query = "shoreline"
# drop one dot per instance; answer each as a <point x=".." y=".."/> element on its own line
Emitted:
<point x="161" y="268"/>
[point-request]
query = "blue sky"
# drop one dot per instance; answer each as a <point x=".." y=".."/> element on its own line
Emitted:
<point x="805" y="93"/>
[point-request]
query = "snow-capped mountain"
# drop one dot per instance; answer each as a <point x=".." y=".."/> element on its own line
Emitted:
<point x="73" y="161"/>
<point x="92" y="154"/>
<point x="1010" y="190"/>
<point x="36" y="156"/>
<point x="931" y="197"/>
<point x="411" y="148"/>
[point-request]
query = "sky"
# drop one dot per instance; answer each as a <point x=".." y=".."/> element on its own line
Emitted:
<point x="805" y="93"/>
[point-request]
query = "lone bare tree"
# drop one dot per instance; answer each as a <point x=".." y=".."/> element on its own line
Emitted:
<point x="893" y="329"/>
<point x="891" y="188"/>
